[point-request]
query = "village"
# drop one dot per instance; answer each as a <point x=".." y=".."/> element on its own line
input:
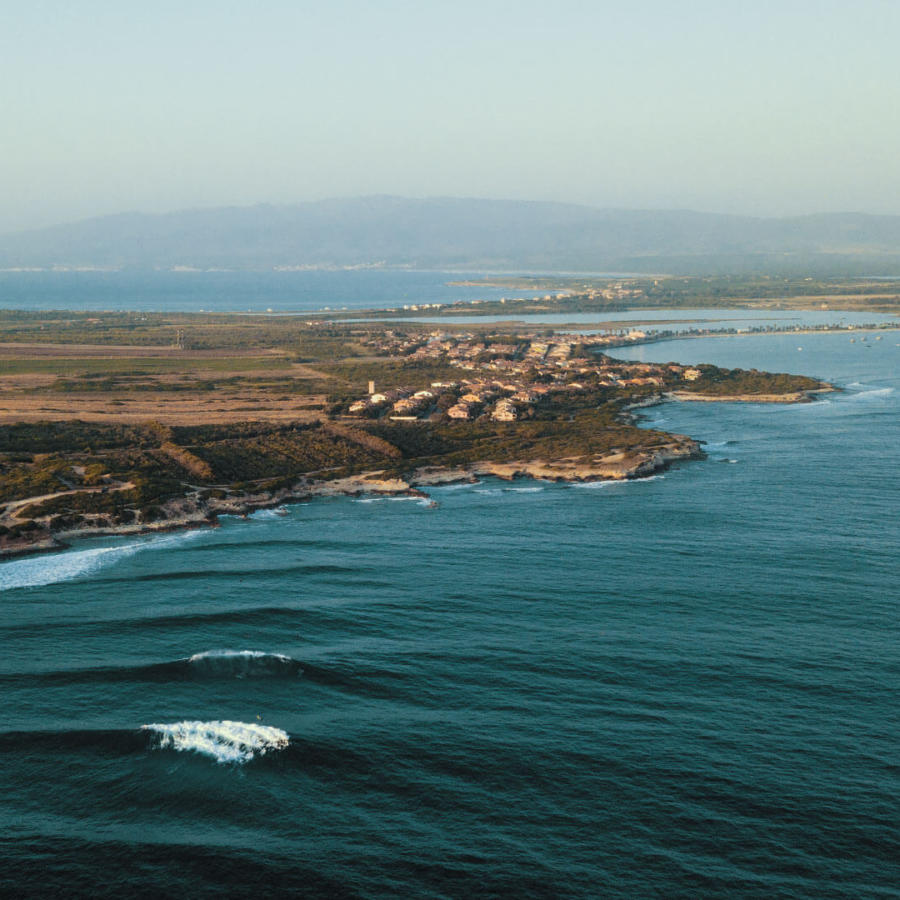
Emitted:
<point x="505" y="377"/>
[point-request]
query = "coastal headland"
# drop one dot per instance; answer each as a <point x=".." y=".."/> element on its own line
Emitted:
<point x="118" y="423"/>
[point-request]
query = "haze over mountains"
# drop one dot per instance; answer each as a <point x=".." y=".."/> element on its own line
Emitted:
<point x="466" y="234"/>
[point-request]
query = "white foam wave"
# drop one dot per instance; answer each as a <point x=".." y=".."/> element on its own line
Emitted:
<point x="525" y="490"/>
<point x="384" y="499"/>
<point x="266" y="514"/>
<point x="224" y="741"/>
<point x="874" y="392"/>
<point x="40" y="570"/>
<point x="36" y="571"/>
<point x="612" y="481"/>
<point x="237" y="654"/>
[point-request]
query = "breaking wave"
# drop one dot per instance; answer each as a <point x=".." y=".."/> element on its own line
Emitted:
<point x="268" y="514"/>
<point x="871" y="393"/>
<point x="493" y="492"/>
<point x="378" y="499"/>
<point x="224" y="741"/>
<point x="610" y="482"/>
<point x="211" y="664"/>
<point x="242" y="664"/>
<point x="37" y="571"/>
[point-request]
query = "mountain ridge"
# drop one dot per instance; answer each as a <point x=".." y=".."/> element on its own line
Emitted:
<point x="459" y="233"/>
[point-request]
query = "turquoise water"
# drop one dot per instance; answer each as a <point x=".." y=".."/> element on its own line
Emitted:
<point x="682" y="686"/>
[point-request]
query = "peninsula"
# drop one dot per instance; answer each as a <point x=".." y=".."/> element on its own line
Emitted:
<point x="124" y="423"/>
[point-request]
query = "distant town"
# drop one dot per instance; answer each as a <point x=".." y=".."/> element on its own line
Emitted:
<point x="504" y="377"/>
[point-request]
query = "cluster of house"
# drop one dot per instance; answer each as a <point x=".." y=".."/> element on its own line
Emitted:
<point x="463" y="347"/>
<point x="618" y="290"/>
<point x="402" y="402"/>
<point x="510" y="375"/>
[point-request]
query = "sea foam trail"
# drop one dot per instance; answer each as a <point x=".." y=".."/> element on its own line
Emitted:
<point x="612" y="482"/>
<point x="224" y="741"/>
<point x="870" y="394"/>
<point x="37" y="571"/>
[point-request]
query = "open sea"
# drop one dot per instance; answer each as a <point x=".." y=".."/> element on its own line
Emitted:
<point x="682" y="686"/>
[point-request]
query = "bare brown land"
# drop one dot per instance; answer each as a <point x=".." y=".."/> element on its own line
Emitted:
<point x="122" y="383"/>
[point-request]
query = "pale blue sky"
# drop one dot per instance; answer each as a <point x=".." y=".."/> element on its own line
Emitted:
<point x="762" y="107"/>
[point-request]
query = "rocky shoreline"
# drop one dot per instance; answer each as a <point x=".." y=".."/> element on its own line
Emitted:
<point x="196" y="511"/>
<point x="792" y="397"/>
<point x="199" y="510"/>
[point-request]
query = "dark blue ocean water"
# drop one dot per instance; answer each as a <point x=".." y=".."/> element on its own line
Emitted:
<point x="678" y="687"/>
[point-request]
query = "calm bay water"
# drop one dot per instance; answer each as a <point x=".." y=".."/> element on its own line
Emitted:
<point x="682" y="686"/>
<point x="680" y="319"/>
<point x="254" y="292"/>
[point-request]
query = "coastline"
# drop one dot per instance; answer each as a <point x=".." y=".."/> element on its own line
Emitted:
<point x="193" y="511"/>
<point x="792" y="397"/>
<point x="577" y="423"/>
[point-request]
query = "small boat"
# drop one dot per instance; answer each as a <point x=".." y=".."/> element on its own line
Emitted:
<point x="281" y="510"/>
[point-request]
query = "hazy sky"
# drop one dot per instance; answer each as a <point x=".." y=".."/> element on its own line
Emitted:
<point x="743" y="106"/>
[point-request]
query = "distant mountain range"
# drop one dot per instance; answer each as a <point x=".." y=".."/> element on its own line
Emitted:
<point x="466" y="234"/>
